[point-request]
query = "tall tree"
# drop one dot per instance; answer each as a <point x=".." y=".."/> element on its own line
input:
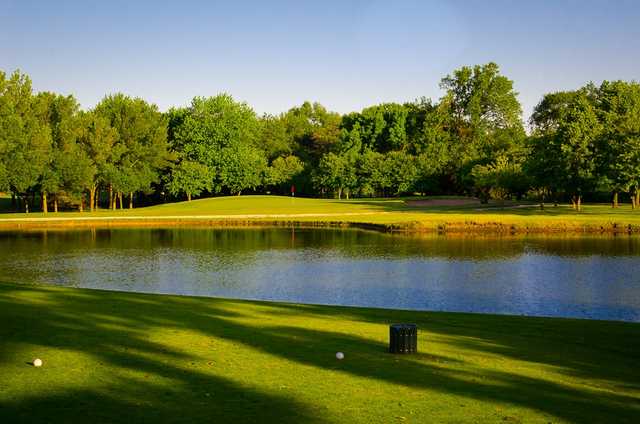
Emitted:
<point x="568" y="128"/>
<point x="25" y="140"/>
<point x="484" y="115"/>
<point x="69" y="170"/>
<point x="240" y="167"/>
<point x="142" y="141"/>
<point x="618" y="104"/>
<point x="283" y="170"/>
<point x="274" y="139"/>
<point x="313" y="129"/>
<point x="190" y="178"/>
<point x="213" y="123"/>
<point x="337" y="173"/>
<point x="98" y="140"/>
<point x="381" y="128"/>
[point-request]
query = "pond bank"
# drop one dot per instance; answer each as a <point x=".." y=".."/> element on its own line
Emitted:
<point x="473" y="224"/>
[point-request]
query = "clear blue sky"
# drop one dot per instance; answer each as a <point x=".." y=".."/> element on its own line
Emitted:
<point x="344" y="54"/>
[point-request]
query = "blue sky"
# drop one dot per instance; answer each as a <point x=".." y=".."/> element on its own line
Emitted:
<point x="344" y="54"/>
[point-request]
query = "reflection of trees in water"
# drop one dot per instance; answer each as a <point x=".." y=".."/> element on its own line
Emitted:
<point x="238" y="244"/>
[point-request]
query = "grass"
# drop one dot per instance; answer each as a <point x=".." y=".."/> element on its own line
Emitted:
<point x="393" y="213"/>
<point x="122" y="357"/>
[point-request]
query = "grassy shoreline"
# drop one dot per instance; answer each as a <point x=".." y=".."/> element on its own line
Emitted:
<point x="375" y="214"/>
<point x="128" y="357"/>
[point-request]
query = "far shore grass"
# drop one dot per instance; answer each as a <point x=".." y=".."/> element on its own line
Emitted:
<point x="386" y="214"/>
<point x="122" y="357"/>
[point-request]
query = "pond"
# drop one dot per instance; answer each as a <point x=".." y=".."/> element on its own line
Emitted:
<point x="582" y="277"/>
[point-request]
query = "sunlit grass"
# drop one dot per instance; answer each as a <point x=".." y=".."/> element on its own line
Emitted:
<point x="122" y="357"/>
<point x="377" y="211"/>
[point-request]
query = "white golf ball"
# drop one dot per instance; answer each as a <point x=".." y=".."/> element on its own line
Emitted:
<point x="340" y="355"/>
<point x="37" y="362"/>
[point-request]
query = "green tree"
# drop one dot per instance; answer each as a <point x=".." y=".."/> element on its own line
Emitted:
<point x="618" y="106"/>
<point x="313" y="131"/>
<point x="98" y="140"/>
<point x="283" y="170"/>
<point x="370" y="172"/>
<point x="380" y="128"/>
<point x="273" y="138"/>
<point x="190" y="178"/>
<point x="25" y="141"/>
<point x="240" y="167"/>
<point x="500" y="180"/>
<point x="69" y="171"/>
<point x="337" y="173"/>
<point x="401" y="172"/>
<point x="212" y="124"/>
<point x="568" y="128"/>
<point x="141" y="145"/>
<point x="483" y="117"/>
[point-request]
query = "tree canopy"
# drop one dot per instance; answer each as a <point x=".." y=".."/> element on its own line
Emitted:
<point x="471" y="141"/>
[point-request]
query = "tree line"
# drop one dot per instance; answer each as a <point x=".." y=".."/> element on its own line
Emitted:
<point x="471" y="141"/>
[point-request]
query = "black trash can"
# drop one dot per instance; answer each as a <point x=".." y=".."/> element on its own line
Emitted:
<point x="403" y="338"/>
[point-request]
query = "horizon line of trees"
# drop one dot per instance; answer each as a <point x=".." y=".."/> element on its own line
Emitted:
<point x="472" y="141"/>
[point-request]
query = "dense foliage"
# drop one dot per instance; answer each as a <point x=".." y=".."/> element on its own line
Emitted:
<point x="471" y="141"/>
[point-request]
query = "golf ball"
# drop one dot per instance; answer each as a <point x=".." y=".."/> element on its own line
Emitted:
<point x="37" y="362"/>
<point x="340" y="355"/>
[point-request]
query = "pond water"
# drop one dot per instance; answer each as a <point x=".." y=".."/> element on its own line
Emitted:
<point x="584" y="277"/>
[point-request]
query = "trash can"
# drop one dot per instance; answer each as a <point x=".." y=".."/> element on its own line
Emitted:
<point x="403" y="338"/>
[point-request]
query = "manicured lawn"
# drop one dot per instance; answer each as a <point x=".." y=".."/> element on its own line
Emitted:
<point x="125" y="358"/>
<point x="380" y="211"/>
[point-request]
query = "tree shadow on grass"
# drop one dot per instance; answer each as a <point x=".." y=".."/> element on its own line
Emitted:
<point x="578" y="347"/>
<point x="369" y="359"/>
<point x="111" y="327"/>
<point x="115" y="336"/>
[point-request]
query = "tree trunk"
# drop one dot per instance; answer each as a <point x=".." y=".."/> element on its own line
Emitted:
<point x="339" y="193"/>
<point x="579" y="203"/>
<point x="55" y="204"/>
<point x="92" y="198"/>
<point x="614" y="204"/>
<point x="188" y="197"/>
<point x="112" y="201"/>
<point x="120" y="200"/>
<point x="637" y="197"/>
<point x="97" y="199"/>
<point x="130" y="200"/>
<point x="45" y="207"/>
<point x="573" y="202"/>
<point x="81" y="206"/>
<point x="26" y="204"/>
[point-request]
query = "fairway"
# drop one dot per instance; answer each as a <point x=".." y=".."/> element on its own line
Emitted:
<point x="123" y="357"/>
<point x="386" y="214"/>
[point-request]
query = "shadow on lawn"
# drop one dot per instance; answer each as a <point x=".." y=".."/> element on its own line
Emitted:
<point x="111" y="326"/>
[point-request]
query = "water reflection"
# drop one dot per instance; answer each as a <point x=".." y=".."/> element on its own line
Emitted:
<point x="587" y="277"/>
